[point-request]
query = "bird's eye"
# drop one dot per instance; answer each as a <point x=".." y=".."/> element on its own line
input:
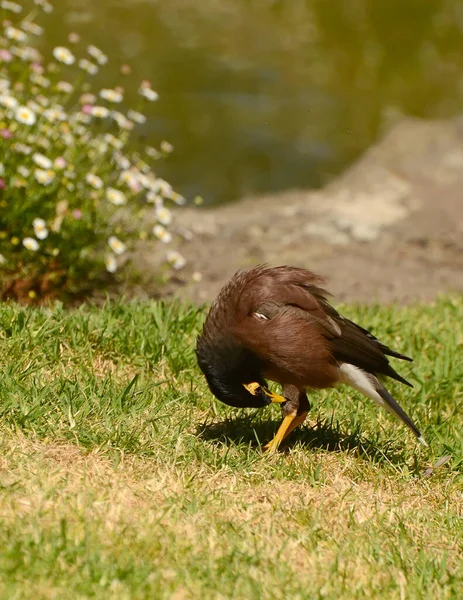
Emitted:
<point x="260" y="316"/>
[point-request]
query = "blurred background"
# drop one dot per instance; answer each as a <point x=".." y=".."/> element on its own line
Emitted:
<point x="319" y="133"/>
<point x="264" y="95"/>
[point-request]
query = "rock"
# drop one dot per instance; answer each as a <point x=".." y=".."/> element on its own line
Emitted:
<point x="389" y="228"/>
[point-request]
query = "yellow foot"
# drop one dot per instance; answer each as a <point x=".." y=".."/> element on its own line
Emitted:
<point x="273" y="445"/>
<point x="289" y="424"/>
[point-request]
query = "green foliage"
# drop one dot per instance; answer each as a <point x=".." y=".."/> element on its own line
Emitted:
<point x="73" y="190"/>
<point x="121" y="477"/>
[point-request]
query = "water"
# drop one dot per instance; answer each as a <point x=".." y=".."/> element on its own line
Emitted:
<point x="265" y="95"/>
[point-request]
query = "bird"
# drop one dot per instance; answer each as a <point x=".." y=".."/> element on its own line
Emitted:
<point x="276" y="323"/>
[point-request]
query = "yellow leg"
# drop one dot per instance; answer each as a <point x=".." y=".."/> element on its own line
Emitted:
<point x="273" y="445"/>
<point x="289" y="424"/>
<point x="298" y="420"/>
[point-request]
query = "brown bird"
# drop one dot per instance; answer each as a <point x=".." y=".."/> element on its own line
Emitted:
<point x="276" y="323"/>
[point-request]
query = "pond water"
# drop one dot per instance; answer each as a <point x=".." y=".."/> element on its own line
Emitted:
<point x="264" y="95"/>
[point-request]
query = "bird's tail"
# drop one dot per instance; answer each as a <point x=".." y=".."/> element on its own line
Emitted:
<point x="391" y="404"/>
<point x="369" y="384"/>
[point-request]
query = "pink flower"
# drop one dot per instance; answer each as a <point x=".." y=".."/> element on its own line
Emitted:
<point x="37" y="68"/>
<point x="60" y="162"/>
<point x="5" y="55"/>
<point x="2" y="184"/>
<point x="6" y="134"/>
<point x="77" y="213"/>
<point x="87" y="109"/>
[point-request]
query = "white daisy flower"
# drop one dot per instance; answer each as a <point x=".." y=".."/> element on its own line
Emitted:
<point x="44" y="5"/>
<point x="162" y="234"/>
<point x="154" y="198"/>
<point x="42" y="161"/>
<point x="32" y="27"/>
<point x="176" y="259"/>
<point x="8" y="101"/>
<point x="5" y="84"/>
<point x="116" y="197"/>
<point x="25" y="115"/>
<point x="87" y="66"/>
<point x="31" y="244"/>
<point x="93" y="180"/>
<point x="24" y="171"/>
<point x="44" y="177"/>
<point x="136" y="116"/>
<point x="121" y="161"/>
<point x="64" y="55"/>
<point x="36" y="108"/>
<point x="11" y="6"/>
<point x="116" y="245"/>
<point x="113" y="141"/>
<point x="15" y="34"/>
<point x="2" y="259"/>
<point x="54" y="114"/>
<point x="148" y="93"/>
<point x="101" y="146"/>
<point x="178" y="199"/>
<point x="153" y="153"/>
<point x="97" y="54"/>
<point x="122" y="120"/>
<point x="68" y="139"/>
<point x="21" y="148"/>
<point x="165" y="188"/>
<point x="166" y="147"/>
<point x="111" y="95"/>
<point x="26" y="54"/>
<point x="128" y="176"/>
<point x="163" y="215"/>
<point x="65" y="86"/>
<point x="99" y="111"/>
<point x="81" y="130"/>
<point x="42" y="100"/>
<point x="82" y="118"/>
<point x="40" y="228"/>
<point x="39" y="80"/>
<point x="43" y="143"/>
<point x="111" y="263"/>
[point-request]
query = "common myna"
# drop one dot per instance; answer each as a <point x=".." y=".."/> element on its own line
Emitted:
<point x="276" y="323"/>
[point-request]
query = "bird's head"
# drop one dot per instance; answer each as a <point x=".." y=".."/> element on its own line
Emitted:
<point x="233" y="374"/>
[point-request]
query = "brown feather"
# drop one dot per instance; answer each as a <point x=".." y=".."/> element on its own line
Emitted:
<point x="283" y="321"/>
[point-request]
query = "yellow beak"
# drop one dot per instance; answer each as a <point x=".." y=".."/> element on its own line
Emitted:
<point x="254" y="386"/>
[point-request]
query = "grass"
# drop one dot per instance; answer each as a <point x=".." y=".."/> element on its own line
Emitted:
<point x="121" y="478"/>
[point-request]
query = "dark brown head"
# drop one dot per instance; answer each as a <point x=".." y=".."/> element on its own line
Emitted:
<point x="229" y="367"/>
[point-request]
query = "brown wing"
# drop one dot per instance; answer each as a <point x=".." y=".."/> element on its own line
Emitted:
<point x="293" y="306"/>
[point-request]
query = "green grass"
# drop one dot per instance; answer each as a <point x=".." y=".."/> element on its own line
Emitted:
<point x="121" y="478"/>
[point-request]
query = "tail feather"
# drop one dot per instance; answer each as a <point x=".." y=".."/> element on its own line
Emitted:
<point x="391" y="404"/>
<point x="369" y="384"/>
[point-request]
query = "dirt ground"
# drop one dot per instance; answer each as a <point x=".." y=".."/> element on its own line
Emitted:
<point x="389" y="229"/>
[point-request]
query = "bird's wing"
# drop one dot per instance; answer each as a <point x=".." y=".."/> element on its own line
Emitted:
<point x="298" y="292"/>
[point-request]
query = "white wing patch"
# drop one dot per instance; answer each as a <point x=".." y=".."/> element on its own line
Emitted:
<point x="359" y="380"/>
<point x="260" y="316"/>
